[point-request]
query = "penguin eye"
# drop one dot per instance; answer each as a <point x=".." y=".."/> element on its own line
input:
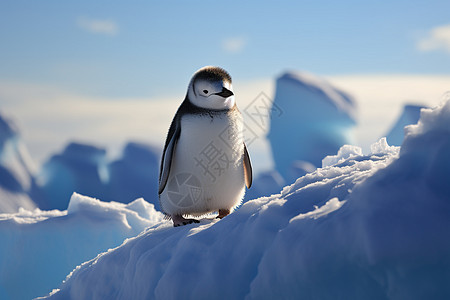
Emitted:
<point x="205" y="91"/>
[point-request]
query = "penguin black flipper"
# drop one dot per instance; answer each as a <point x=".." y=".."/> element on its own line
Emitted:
<point x="247" y="169"/>
<point x="169" y="150"/>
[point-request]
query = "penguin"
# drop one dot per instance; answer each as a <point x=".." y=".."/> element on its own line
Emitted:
<point x="205" y="165"/>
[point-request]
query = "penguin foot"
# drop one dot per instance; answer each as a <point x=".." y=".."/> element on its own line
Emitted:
<point x="180" y="221"/>
<point x="223" y="213"/>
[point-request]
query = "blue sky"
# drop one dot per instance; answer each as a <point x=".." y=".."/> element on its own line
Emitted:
<point x="149" y="49"/>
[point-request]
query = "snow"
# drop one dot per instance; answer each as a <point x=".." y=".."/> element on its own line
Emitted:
<point x="317" y="116"/>
<point x="331" y="205"/>
<point x="344" y="153"/>
<point x="317" y="111"/>
<point x="361" y="227"/>
<point x="39" y="248"/>
<point x="382" y="146"/>
<point x="348" y="151"/>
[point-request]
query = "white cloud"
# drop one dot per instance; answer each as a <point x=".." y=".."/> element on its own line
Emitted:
<point x="234" y="44"/>
<point x="437" y="38"/>
<point x="106" y="27"/>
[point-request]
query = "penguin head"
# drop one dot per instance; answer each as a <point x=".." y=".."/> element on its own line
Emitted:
<point x="211" y="88"/>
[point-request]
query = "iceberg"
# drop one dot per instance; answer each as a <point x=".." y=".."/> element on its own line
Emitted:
<point x="409" y="116"/>
<point x="84" y="169"/>
<point x="79" y="168"/>
<point x="135" y="174"/>
<point x="316" y="120"/>
<point x="17" y="183"/>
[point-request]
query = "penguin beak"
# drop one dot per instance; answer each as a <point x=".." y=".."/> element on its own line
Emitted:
<point x="225" y="93"/>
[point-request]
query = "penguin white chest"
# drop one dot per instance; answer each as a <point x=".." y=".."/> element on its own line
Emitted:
<point x="209" y="157"/>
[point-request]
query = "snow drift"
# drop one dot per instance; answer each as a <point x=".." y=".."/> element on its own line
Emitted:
<point x="360" y="227"/>
<point x="39" y="248"/>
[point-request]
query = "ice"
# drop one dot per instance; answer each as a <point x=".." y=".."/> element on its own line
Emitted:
<point x="298" y="169"/>
<point x="79" y="168"/>
<point x="39" y="248"/>
<point x="135" y="175"/>
<point x="410" y="115"/>
<point x="317" y="117"/>
<point x="361" y="227"/>
<point x="17" y="184"/>
<point x="85" y="169"/>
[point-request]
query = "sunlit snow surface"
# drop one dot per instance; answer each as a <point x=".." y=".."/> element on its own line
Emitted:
<point x="361" y="227"/>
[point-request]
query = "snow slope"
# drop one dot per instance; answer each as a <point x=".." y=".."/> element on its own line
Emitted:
<point x="39" y="248"/>
<point x="360" y="227"/>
